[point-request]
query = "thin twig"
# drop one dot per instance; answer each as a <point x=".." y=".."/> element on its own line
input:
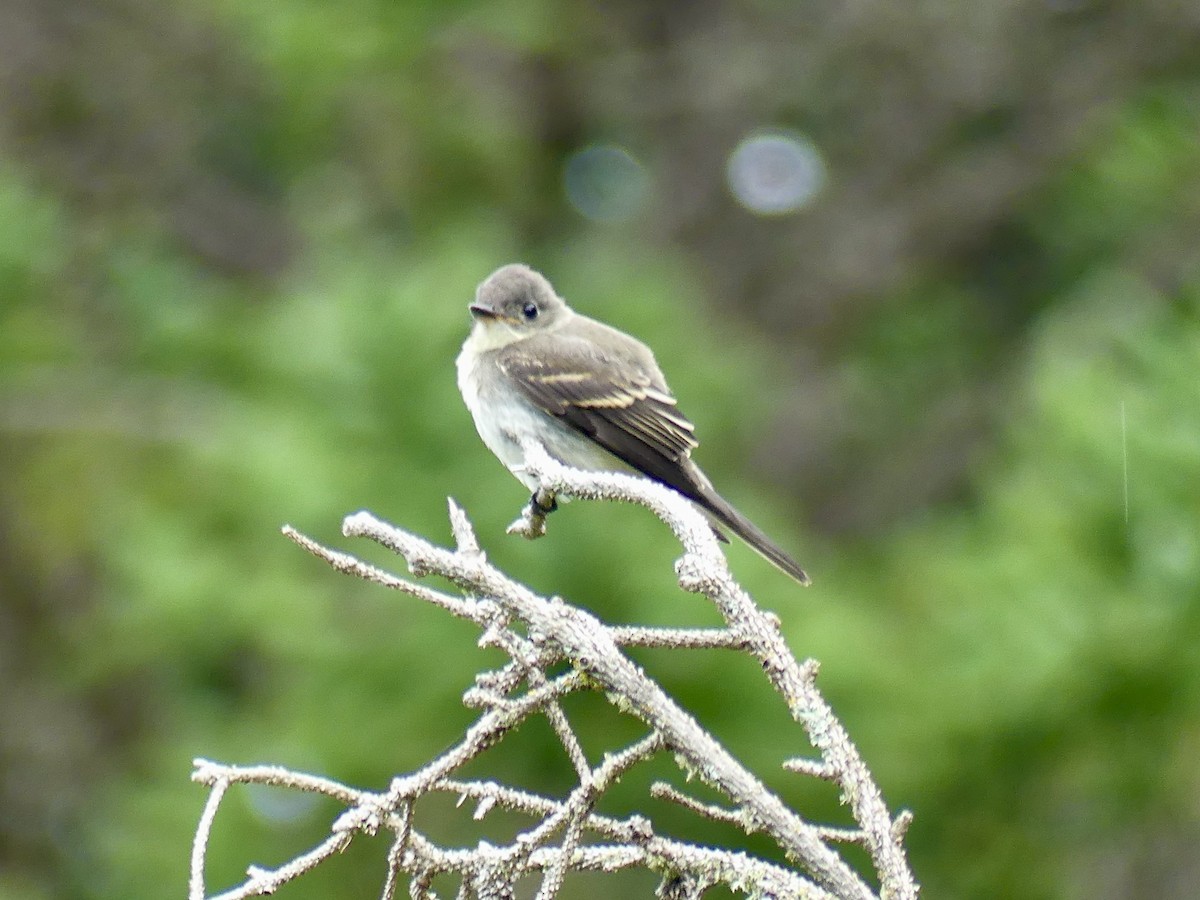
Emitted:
<point x="538" y="634"/>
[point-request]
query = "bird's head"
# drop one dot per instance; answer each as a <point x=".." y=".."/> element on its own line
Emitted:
<point x="516" y="301"/>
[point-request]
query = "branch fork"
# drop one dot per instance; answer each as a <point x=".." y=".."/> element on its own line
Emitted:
<point x="567" y="834"/>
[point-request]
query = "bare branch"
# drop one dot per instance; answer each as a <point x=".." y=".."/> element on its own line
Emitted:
<point x="676" y="638"/>
<point x="816" y="768"/>
<point x="704" y="569"/>
<point x="200" y="844"/>
<point x="664" y="791"/>
<point x="464" y="609"/>
<point x="538" y="634"/>
<point x="585" y="640"/>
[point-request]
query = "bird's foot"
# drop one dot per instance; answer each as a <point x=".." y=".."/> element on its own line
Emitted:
<point x="532" y="523"/>
<point x="543" y="501"/>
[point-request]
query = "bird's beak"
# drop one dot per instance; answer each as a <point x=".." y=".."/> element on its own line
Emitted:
<point x="481" y="310"/>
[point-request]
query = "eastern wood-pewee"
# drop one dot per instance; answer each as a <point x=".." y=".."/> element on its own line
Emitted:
<point x="592" y="396"/>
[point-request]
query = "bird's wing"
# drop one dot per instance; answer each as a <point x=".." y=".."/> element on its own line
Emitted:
<point x="622" y="403"/>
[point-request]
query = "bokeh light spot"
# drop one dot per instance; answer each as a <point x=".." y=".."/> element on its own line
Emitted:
<point x="775" y="173"/>
<point x="279" y="805"/>
<point x="605" y="183"/>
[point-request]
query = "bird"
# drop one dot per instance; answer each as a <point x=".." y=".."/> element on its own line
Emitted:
<point x="594" y="398"/>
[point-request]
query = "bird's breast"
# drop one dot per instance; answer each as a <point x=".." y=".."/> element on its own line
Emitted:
<point x="505" y="419"/>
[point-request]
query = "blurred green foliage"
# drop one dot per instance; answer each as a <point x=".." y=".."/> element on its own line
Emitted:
<point x="964" y="385"/>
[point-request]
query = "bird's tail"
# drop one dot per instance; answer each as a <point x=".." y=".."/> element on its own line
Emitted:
<point x="724" y="513"/>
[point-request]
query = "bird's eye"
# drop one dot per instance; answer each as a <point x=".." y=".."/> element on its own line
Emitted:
<point x="529" y="311"/>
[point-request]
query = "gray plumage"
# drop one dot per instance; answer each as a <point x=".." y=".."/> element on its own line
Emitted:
<point x="593" y="396"/>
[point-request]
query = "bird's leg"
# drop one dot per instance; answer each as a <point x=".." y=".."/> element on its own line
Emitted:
<point x="543" y="501"/>
<point x="532" y="523"/>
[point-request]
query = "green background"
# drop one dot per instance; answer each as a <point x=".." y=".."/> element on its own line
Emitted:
<point x="962" y="383"/>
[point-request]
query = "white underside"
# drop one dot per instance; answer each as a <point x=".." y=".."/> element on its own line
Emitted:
<point x="505" y="420"/>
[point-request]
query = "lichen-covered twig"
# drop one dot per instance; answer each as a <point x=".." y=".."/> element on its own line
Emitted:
<point x="566" y="833"/>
